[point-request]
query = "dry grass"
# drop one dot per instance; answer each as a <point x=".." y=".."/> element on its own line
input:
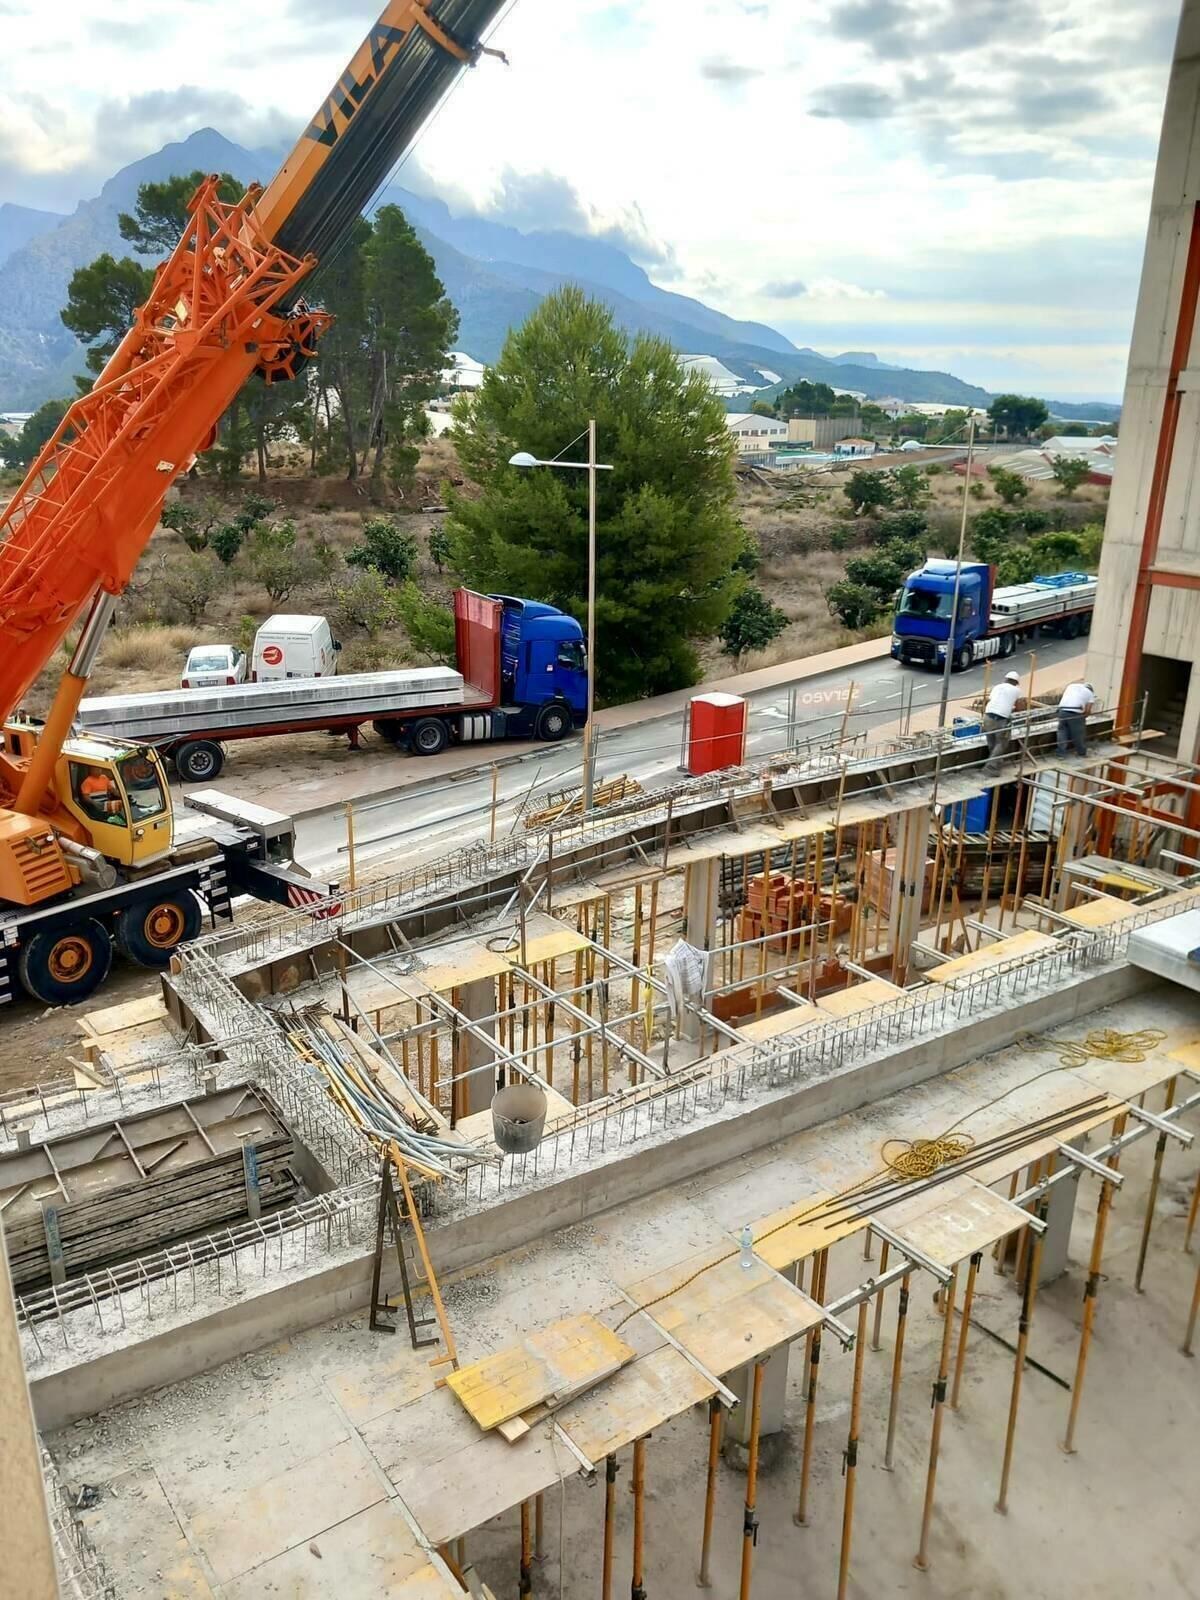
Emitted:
<point x="148" y="649"/>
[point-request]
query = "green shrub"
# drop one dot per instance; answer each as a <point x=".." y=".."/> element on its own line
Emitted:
<point x="752" y="623"/>
<point x="385" y="549"/>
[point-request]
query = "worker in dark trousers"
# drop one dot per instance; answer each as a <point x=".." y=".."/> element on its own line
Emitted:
<point x="997" y="716"/>
<point x="1077" y="700"/>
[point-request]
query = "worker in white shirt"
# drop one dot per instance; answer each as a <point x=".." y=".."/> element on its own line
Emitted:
<point x="1004" y="699"/>
<point x="1077" y="700"/>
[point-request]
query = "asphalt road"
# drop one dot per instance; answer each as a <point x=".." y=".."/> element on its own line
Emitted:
<point x="436" y="817"/>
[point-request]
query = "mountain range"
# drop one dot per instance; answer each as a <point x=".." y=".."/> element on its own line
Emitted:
<point x="494" y="273"/>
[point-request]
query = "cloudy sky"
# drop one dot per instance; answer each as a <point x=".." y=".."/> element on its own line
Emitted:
<point x="953" y="183"/>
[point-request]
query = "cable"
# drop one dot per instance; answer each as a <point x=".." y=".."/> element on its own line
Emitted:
<point x="924" y="1158"/>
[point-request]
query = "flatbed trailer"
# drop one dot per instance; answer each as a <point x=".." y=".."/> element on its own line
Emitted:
<point x="512" y="681"/>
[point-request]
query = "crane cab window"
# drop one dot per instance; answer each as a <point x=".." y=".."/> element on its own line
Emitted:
<point x="143" y="786"/>
<point x="98" y="794"/>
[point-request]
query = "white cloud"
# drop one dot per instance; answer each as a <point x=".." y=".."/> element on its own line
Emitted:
<point x="967" y="163"/>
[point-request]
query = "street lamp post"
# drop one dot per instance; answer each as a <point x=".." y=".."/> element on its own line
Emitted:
<point x="948" y="666"/>
<point x="591" y="466"/>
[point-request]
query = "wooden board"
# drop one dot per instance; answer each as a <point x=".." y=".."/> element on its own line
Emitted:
<point x="798" y="1231"/>
<point x="1026" y="943"/>
<point x="790" y="1020"/>
<point x="131" y="1014"/>
<point x="1103" y="913"/>
<point x="467" y="1487"/>
<point x="643" y="1396"/>
<point x="723" y="1313"/>
<point x="955" y="1220"/>
<point x="860" y="997"/>
<point x="552" y="1362"/>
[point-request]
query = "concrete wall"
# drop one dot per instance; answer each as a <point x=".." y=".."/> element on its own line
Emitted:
<point x="462" y="1243"/>
<point x="1173" y="628"/>
<point x="821" y="432"/>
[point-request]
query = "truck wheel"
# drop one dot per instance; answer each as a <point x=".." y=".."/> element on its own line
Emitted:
<point x="149" y="932"/>
<point x="553" y="723"/>
<point x="963" y="657"/>
<point x="62" y="967"/>
<point x="429" y="736"/>
<point x="1072" y="628"/>
<point x="1008" y="643"/>
<point x="199" y="761"/>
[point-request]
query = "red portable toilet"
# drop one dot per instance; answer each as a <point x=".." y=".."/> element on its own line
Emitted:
<point x="717" y="732"/>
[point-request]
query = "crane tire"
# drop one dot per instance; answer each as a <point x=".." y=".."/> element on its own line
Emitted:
<point x="62" y="966"/>
<point x="150" y="931"/>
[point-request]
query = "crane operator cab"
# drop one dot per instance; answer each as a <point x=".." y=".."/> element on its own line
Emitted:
<point x="120" y="797"/>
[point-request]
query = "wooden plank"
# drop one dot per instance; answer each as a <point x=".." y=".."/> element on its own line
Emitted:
<point x="722" y="1312"/>
<point x="860" y="997"/>
<point x="797" y="1232"/>
<point x="552" y="1362"/>
<point x="640" y="1398"/>
<point x="955" y="1220"/>
<point x="130" y="1014"/>
<point x="791" y="1020"/>
<point x="1025" y="943"/>
<point x="451" y="1495"/>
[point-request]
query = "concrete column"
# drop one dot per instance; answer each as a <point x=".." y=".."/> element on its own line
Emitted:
<point x="1173" y="622"/>
<point x="1060" y="1213"/>
<point x="772" y="1402"/>
<point x="477" y="1000"/>
<point x="27" y="1571"/>
<point x="908" y="888"/>
<point x="702" y="883"/>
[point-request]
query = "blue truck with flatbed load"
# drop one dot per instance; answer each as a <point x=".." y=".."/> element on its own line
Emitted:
<point x="989" y="621"/>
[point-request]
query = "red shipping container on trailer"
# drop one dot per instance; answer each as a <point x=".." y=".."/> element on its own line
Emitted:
<point x="717" y="732"/>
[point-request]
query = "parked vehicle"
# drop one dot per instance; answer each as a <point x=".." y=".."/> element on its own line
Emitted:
<point x="521" y="674"/>
<point x="208" y="665"/>
<point x="989" y="621"/>
<point x="289" y="646"/>
<point x="90" y="856"/>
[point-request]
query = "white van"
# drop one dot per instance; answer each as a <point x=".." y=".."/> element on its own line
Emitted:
<point x="294" y="647"/>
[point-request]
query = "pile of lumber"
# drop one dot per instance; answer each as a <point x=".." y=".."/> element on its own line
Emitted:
<point x="139" y="1218"/>
<point x="518" y="1387"/>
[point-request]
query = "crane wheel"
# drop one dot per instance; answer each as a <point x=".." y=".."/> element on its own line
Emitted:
<point x="62" y="966"/>
<point x="149" y="932"/>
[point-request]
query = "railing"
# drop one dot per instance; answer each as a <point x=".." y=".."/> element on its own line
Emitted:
<point x="181" y="1277"/>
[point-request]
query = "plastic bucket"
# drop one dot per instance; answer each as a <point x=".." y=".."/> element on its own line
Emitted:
<point x="518" y="1118"/>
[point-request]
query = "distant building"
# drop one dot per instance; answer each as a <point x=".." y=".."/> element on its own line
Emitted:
<point x="854" y="447"/>
<point x="820" y="432"/>
<point x="755" y="435"/>
<point x="891" y="407"/>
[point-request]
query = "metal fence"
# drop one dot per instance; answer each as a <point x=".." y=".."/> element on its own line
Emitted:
<point x="66" y="1317"/>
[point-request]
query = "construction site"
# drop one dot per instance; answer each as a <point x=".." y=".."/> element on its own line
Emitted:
<point x="486" y="1232"/>
<point x="781" y="1180"/>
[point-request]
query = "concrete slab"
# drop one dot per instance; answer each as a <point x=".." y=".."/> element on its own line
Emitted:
<point x="372" y="1552"/>
<point x="241" y="1528"/>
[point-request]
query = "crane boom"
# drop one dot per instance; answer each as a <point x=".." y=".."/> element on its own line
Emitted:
<point x="225" y="303"/>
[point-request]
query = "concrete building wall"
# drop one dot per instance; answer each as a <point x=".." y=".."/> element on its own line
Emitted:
<point x="821" y="432"/>
<point x="1172" y="639"/>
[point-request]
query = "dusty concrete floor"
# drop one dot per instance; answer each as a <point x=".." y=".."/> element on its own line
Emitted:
<point x="274" y="1474"/>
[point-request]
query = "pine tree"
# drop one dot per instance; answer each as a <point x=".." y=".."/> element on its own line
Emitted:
<point x="667" y="536"/>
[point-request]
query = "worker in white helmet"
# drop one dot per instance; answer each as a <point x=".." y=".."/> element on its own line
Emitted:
<point x="1077" y="700"/>
<point x="1003" y="701"/>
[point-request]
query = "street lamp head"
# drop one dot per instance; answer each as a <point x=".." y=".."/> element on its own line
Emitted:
<point x="523" y="459"/>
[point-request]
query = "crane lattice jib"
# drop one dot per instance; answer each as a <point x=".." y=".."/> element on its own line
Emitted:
<point x="225" y="303"/>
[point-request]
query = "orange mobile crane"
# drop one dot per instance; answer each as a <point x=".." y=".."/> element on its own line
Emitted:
<point x="88" y="849"/>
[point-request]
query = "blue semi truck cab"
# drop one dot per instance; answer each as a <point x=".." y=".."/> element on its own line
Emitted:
<point x="543" y="662"/>
<point x="989" y="620"/>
